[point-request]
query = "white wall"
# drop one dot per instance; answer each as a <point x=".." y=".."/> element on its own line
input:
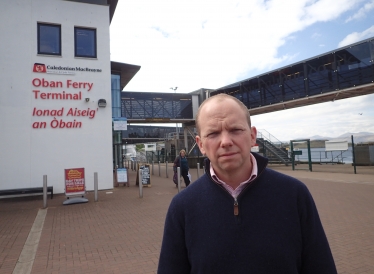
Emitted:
<point x="28" y="153"/>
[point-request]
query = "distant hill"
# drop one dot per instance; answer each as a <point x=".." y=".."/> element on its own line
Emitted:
<point x="318" y="137"/>
<point x="358" y="138"/>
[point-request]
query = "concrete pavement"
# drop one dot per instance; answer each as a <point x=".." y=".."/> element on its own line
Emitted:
<point x="122" y="233"/>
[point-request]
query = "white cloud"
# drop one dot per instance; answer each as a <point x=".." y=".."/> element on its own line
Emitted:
<point x="357" y="36"/>
<point x="208" y="44"/>
<point x="330" y="119"/>
<point x="361" y="13"/>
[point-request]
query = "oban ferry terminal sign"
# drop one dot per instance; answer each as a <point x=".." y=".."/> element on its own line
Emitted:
<point x="65" y="91"/>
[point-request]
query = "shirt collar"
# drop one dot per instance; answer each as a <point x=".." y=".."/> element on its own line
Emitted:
<point x="250" y="179"/>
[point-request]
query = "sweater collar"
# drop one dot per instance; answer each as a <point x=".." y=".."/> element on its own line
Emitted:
<point x="261" y="164"/>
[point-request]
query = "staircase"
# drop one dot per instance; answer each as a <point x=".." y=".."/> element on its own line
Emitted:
<point x="272" y="148"/>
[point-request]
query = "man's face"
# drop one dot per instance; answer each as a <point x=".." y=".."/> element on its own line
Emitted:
<point x="225" y="137"/>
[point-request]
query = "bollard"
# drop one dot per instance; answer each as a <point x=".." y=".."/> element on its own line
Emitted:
<point x="159" y="169"/>
<point x="140" y="184"/>
<point x="45" y="191"/>
<point x="96" y="186"/>
<point x="179" y="179"/>
<point x="167" y="175"/>
<point x="152" y="168"/>
<point x="198" y="170"/>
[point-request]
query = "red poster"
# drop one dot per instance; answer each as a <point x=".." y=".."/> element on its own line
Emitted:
<point x="74" y="181"/>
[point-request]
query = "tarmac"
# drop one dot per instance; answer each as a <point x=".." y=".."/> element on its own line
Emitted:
<point x="122" y="232"/>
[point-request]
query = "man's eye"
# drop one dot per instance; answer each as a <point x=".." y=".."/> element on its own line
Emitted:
<point x="236" y="130"/>
<point x="212" y="134"/>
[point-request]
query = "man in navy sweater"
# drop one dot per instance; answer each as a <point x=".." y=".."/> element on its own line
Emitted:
<point x="240" y="216"/>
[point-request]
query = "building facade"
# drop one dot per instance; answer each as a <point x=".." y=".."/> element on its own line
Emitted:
<point x="55" y="93"/>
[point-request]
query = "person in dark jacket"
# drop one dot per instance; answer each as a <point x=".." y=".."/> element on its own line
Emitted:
<point x="240" y="216"/>
<point x="181" y="161"/>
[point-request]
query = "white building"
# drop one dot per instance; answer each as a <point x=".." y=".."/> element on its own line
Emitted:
<point x="55" y="68"/>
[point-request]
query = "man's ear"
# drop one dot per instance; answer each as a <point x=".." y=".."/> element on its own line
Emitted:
<point x="253" y="135"/>
<point x="200" y="144"/>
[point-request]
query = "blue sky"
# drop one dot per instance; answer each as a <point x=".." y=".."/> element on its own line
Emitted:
<point x="209" y="44"/>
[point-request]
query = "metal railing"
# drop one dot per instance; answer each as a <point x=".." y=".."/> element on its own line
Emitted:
<point x="262" y="133"/>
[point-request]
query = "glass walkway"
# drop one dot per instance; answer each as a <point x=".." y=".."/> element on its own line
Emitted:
<point x="343" y="73"/>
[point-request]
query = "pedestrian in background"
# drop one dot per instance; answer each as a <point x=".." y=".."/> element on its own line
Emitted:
<point x="182" y="162"/>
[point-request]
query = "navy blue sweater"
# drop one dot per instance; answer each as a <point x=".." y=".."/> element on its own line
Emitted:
<point x="277" y="229"/>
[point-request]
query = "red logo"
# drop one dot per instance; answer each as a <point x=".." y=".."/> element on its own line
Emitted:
<point x="39" y="68"/>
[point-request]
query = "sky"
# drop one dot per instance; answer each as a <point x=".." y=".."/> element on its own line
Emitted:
<point x="210" y="44"/>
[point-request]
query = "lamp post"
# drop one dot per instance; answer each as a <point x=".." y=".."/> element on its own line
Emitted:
<point x="176" y="125"/>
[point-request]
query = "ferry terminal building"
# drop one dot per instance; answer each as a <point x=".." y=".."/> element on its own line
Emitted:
<point x="58" y="91"/>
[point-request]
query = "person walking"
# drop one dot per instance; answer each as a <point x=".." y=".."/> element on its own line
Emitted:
<point x="181" y="161"/>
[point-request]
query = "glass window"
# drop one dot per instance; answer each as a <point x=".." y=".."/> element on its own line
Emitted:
<point x="116" y="95"/>
<point x="85" y="42"/>
<point x="49" y="39"/>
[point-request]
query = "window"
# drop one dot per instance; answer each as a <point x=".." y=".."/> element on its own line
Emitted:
<point x="85" y="42"/>
<point x="49" y="39"/>
<point x="116" y="95"/>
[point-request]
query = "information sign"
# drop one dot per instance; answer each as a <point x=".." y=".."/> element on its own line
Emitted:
<point x="121" y="175"/>
<point x="120" y="123"/>
<point x="74" y="181"/>
<point x="146" y="175"/>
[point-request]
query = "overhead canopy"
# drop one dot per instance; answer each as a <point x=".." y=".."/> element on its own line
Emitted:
<point x="111" y="3"/>
<point x="126" y="71"/>
<point x="112" y="7"/>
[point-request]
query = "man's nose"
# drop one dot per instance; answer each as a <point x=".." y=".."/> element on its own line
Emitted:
<point x="226" y="139"/>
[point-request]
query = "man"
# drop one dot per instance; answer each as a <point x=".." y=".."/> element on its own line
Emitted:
<point x="181" y="161"/>
<point x="240" y="216"/>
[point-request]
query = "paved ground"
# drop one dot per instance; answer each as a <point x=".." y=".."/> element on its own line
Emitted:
<point x="122" y="233"/>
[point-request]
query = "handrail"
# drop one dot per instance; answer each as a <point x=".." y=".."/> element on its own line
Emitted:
<point x="269" y="137"/>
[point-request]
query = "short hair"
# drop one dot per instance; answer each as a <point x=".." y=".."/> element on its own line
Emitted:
<point x="182" y="150"/>
<point x="220" y="98"/>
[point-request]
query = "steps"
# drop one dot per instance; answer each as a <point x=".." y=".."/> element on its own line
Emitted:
<point x="272" y="148"/>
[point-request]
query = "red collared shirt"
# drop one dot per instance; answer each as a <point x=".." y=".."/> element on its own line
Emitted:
<point x="235" y="192"/>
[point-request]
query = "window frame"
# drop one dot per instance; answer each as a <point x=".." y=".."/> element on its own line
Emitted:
<point x="39" y="25"/>
<point x="92" y="30"/>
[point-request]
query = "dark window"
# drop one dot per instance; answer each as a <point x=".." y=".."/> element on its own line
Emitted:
<point x="85" y="42"/>
<point x="49" y="39"/>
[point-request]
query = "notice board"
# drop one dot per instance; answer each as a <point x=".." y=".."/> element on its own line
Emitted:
<point x="146" y="175"/>
<point x="75" y="181"/>
<point x="122" y="175"/>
